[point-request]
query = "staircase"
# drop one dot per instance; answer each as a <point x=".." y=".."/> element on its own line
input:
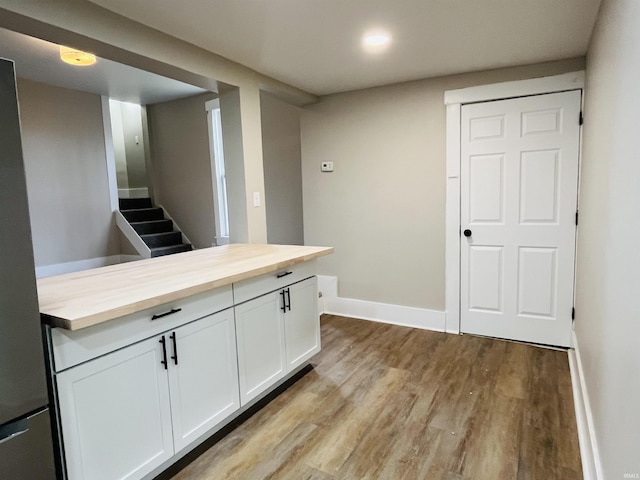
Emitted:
<point x="155" y="231"/>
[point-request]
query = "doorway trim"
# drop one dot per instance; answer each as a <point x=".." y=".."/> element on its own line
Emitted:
<point x="454" y="99"/>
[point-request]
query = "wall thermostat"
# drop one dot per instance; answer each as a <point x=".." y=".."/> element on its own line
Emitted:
<point x="326" y="167"/>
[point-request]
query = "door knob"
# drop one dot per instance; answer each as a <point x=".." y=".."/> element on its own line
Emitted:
<point x="467" y="233"/>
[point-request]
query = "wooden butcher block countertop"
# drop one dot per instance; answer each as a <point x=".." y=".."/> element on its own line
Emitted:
<point x="82" y="299"/>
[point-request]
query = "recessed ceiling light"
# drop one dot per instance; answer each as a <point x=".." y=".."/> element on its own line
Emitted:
<point x="76" y="57"/>
<point x="376" y="41"/>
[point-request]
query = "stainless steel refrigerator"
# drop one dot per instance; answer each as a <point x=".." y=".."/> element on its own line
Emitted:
<point x="26" y="451"/>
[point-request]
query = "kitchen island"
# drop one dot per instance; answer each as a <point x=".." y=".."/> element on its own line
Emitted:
<point x="150" y="358"/>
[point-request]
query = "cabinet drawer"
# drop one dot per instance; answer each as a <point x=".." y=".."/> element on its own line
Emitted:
<point x="254" y="287"/>
<point x="74" y="347"/>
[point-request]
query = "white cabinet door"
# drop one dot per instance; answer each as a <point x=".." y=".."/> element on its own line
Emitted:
<point x="115" y="414"/>
<point x="301" y="323"/>
<point x="260" y="338"/>
<point x="203" y="376"/>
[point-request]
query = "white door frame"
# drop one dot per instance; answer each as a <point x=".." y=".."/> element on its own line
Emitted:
<point x="454" y="99"/>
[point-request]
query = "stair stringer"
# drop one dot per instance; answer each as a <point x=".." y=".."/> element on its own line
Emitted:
<point x="176" y="227"/>
<point x="125" y="227"/>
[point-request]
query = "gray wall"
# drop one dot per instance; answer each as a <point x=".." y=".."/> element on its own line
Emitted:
<point x="608" y="280"/>
<point x="88" y="26"/>
<point x="237" y="196"/>
<point x="126" y="126"/>
<point x="132" y="128"/>
<point x="282" y="170"/>
<point x="119" y="150"/>
<point x="182" y="177"/>
<point x="383" y="208"/>
<point x="64" y="153"/>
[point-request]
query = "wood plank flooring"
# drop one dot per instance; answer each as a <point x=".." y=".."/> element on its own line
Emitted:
<point x="389" y="402"/>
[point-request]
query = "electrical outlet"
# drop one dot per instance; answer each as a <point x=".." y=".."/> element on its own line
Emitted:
<point x="326" y="167"/>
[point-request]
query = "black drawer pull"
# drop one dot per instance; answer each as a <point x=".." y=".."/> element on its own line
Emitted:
<point x="283" y="274"/>
<point x="170" y="312"/>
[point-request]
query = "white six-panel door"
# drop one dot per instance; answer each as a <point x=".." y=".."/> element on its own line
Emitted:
<point x="519" y="177"/>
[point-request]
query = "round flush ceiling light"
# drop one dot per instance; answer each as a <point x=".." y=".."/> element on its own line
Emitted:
<point x="76" y="57"/>
<point x="376" y="41"/>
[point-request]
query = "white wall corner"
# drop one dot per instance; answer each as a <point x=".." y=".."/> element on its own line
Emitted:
<point x="327" y="288"/>
<point x="110" y="159"/>
<point x="591" y="466"/>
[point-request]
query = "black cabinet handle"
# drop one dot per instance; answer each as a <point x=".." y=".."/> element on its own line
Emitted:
<point x="174" y="357"/>
<point x="170" y="312"/>
<point x="283" y="274"/>
<point x="284" y="302"/>
<point x="164" y="352"/>
<point x="467" y="233"/>
<point x="289" y="299"/>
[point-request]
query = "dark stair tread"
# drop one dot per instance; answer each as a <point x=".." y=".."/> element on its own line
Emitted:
<point x="133" y="203"/>
<point x="161" y="251"/>
<point x="143" y="214"/>
<point x="161" y="239"/>
<point x="152" y="226"/>
<point x="143" y="210"/>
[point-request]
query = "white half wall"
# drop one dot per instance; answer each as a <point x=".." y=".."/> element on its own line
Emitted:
<point x="69" y="267"/>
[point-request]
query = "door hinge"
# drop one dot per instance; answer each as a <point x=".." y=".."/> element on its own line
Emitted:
<point x="580" y="119"/>
<point x="576" y="217"/>
<point x="573" y="313"/>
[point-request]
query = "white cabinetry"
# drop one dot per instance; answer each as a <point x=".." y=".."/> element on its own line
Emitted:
<point x="203" y="376"/>
<point x="260" y="336"/>
<point x="276" y="333"/>
<point x="137" y="392"/>
<point x="301" y="323"/>
<point x="115" y="414"/>
<point x="126" y="413"/>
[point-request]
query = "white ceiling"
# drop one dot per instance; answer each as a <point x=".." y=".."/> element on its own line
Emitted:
<point x="315" y="44"/>
<point x="40" y="61"/>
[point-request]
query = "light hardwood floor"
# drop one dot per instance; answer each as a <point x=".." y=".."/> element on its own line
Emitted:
<point x="389" y="402"/>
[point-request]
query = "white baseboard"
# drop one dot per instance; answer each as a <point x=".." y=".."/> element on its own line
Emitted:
<point x="133" y="192"/>
<point x="591" y="466"/>
<point x="68" y="267"/>
<point x="452" y="323"/>
<point x="386" y="313"/>
<point x="332" y="304"/>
